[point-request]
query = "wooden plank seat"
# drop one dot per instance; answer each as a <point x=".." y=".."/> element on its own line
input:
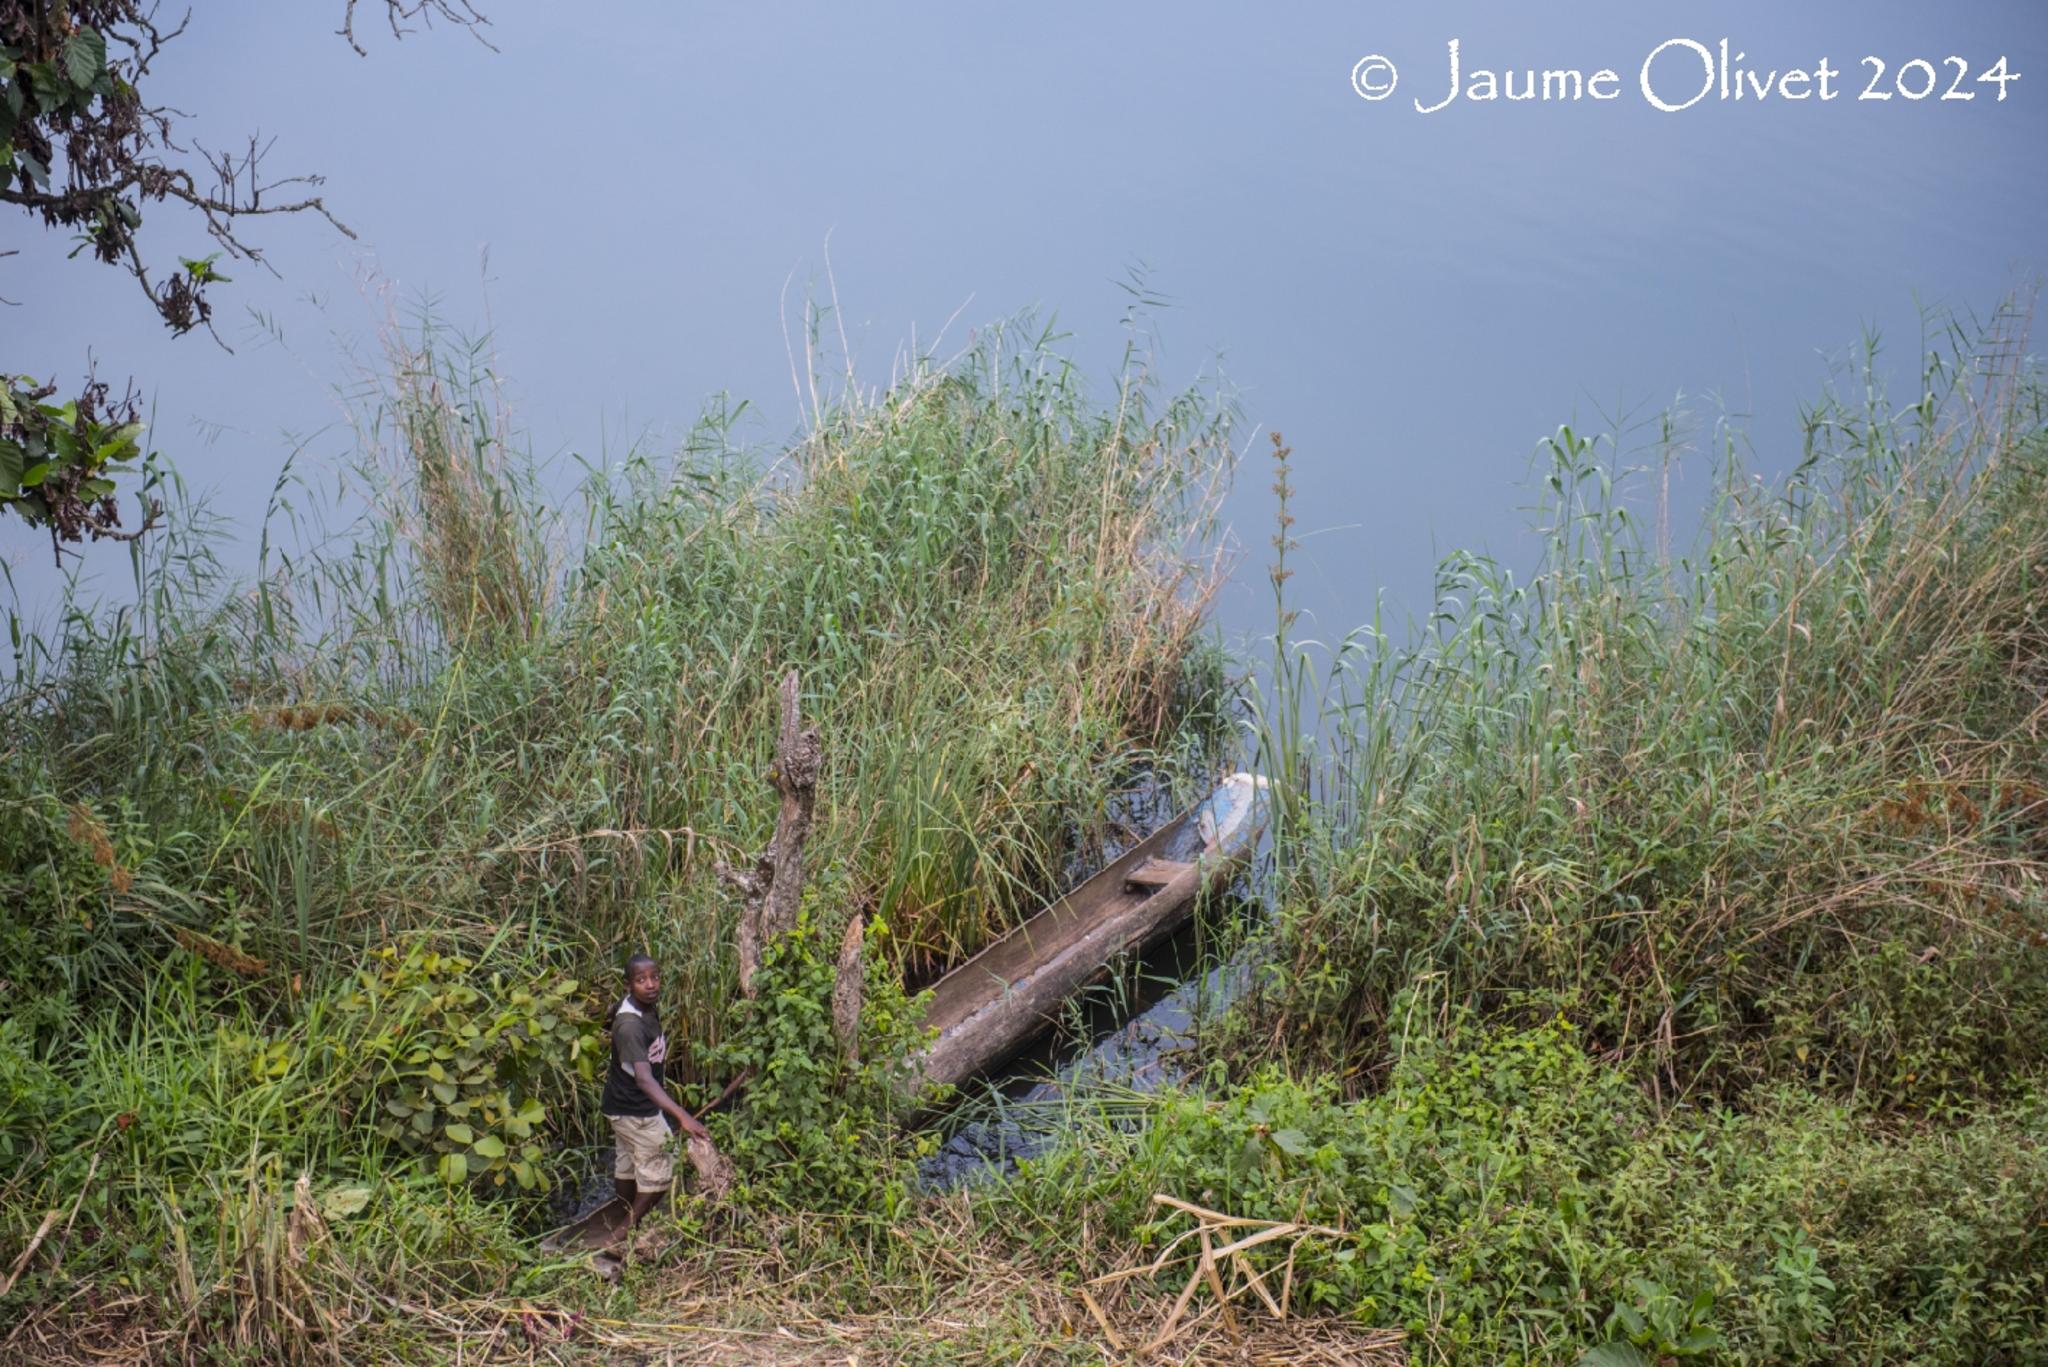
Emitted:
<point x="1155" y="873"/>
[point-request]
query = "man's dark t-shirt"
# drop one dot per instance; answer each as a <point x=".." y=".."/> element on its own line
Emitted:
<point x="636" y="1035"/>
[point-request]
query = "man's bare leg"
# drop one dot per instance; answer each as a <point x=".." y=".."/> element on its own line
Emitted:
<point x="644" y="1201"/>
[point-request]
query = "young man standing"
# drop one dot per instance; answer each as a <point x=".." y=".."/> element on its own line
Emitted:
<point x="635" y="1101"/>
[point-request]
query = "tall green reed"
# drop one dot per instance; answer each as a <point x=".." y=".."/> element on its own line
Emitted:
<point x="1776" y="810"/>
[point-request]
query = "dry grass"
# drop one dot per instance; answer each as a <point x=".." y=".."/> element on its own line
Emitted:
<point x="943" y="1292"/>
<point x="1247" y="1316"/>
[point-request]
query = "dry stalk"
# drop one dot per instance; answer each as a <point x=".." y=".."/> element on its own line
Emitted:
<point x="1221" y="1264"/>
<point x="847" y="989"/>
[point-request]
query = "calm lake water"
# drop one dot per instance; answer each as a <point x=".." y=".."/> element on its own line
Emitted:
<point x="1414" y="299"/>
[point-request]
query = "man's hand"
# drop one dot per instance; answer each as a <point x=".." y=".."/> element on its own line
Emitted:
<point x="679" y="1119"/>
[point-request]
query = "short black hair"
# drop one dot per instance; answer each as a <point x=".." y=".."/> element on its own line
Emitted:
<point x="638" y="962"/>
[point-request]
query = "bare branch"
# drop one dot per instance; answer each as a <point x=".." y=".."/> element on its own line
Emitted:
<point x="87" y="154"/>
<point x="398" y="13"/>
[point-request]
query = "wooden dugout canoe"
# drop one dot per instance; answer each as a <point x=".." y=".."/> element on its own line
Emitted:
<point x="992" y="1005"/>
<point x="597" y="1230"/>
<point x="995" y="1003"/>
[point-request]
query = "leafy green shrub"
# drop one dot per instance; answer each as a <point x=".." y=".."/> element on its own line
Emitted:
<point x="815" y="1131"/>
<point x="31" y="1093"/>
<point x="1510" y="1199"/>
<point x="454" y="1068"/>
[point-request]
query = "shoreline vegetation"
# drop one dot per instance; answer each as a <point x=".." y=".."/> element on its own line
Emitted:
<point x="1657" y="973"/>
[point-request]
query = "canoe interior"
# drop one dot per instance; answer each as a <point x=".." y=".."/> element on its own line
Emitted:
<point x="1217" y="830"/>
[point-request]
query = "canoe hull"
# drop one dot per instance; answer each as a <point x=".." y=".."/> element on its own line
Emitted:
<point x="990" y="1006"/>
<point x="597" y="1230"/>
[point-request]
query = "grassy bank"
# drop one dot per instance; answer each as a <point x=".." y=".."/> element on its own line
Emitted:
<point x="1658" y="969"/>
<point x="1662" y="951"/>
<point x="330" y="875"/>
<point x="1769" y="807"/>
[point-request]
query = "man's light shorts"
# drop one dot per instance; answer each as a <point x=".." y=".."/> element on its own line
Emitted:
<point x="641" y="1159"/>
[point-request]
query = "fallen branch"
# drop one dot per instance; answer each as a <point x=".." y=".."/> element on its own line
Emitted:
<point x="1220" y="1264"/>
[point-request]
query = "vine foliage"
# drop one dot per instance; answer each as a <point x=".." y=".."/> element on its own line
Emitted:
<point x="83" y="151"/>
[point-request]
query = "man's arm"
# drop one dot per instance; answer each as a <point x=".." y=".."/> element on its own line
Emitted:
<point x="643" y="1073"/>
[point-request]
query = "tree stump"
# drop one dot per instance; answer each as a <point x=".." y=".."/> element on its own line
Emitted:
<point x="772" y="889"/>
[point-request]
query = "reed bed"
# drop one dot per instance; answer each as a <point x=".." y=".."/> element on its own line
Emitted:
<point x="256" y="839"/>
<point x="1772" y="805"/>
<point x="1657" y="972"/>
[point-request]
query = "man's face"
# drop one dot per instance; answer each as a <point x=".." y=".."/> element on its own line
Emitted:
<point x="644" y="984"/>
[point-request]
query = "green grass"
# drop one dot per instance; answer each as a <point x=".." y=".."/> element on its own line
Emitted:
<point x="1507" y="1198"/>
<point x="1659" y="968"/>
<point x="1772" y="807"/>
<point x="505" y="744"/>
<point x="1658" y="961"/>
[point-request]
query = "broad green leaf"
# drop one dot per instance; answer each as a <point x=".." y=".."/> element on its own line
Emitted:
<point x="85" y="56"/>
<point x="490" y="1146"/>
<point x="1292" y="1141"/>
<point x="460" y="1133"/>
<point x="343" y="1202"/>
<point x="445" y="1091"/>
<point x="454" y="1168"/>
<point x="33" y="476"/>
<point x="51" y="92"/>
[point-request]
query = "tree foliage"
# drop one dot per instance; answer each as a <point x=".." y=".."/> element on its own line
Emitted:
<point x="82" y="150"/>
